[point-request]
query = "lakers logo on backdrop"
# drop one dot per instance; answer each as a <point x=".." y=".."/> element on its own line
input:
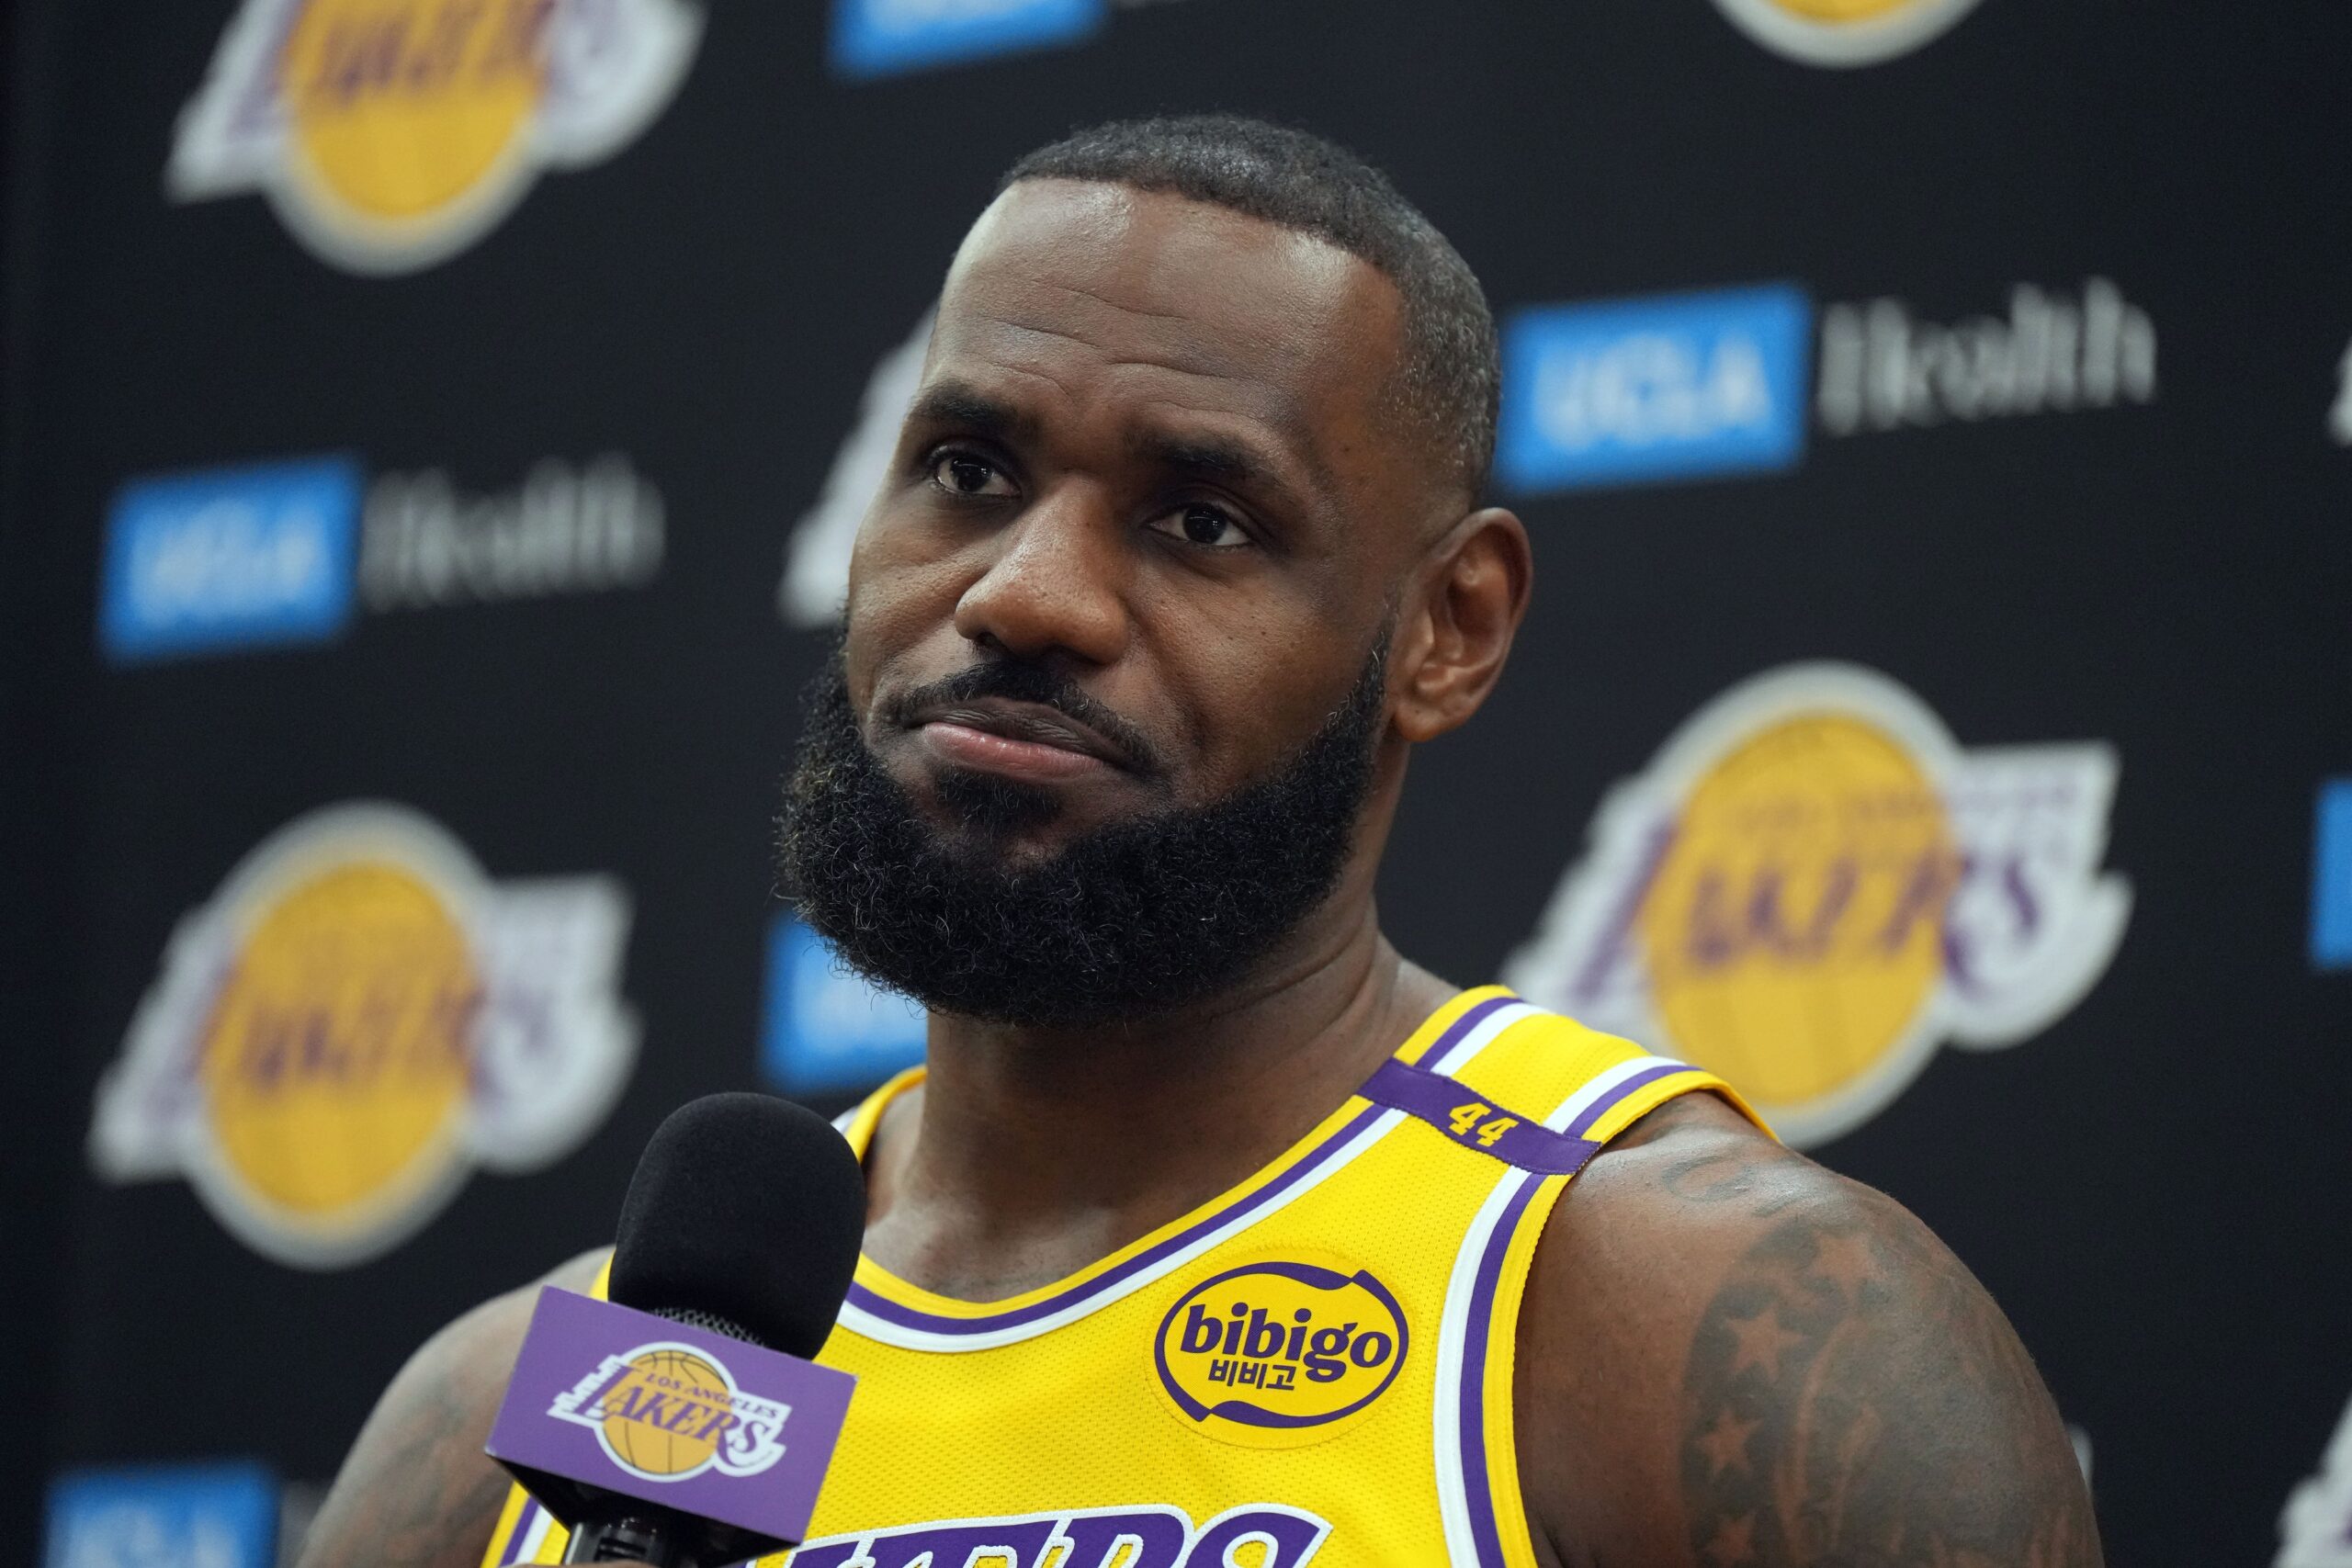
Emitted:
<point x="2315" y="1530"/>
<point x="356" y="1019"/>
<point x="669" y="1412"/>
<point x="392" y="133"/>
<point x="1844" y="32"/>
<point x="1814" y="886"/>
<point x="1273" y="1354"/>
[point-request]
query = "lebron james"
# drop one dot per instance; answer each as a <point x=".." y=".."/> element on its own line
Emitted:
<point x="1215" y="1231"/>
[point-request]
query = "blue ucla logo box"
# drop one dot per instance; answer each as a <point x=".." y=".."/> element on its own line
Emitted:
<point x="1672" y="387"/>
<point x="827" y="1030"/>
<point x="2332" y="878"/>
<point x="876" y="38"/>
<point x="209" y="1516"/>
<point x="230" y="557"/>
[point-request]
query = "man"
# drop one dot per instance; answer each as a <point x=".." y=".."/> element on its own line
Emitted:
<point x="1217" y="1232"/>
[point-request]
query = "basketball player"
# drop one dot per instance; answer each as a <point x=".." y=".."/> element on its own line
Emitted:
<point x="1215" y="1231"/>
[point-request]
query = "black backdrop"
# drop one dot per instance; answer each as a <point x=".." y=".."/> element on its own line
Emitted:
<point x="2154" y="1182"/>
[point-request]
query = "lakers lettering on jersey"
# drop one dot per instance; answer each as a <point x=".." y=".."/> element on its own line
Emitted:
<point x="1315" y="1366"/>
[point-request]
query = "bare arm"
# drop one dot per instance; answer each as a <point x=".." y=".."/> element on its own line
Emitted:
<point x="1733" y="1358"/>
<point x="416" y="1490"/>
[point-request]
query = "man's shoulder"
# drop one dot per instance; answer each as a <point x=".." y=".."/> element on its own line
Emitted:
<point x="1695" y="1171"/>
<point x="416" y="1491"/>
<point x="1633" y="1256"/>
<point x="487" y="1336"/>
<point x="579" y="1273"/>
<point x="1726" y="1346"/>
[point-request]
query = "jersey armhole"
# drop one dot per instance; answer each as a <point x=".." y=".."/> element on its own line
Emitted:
<point x="1514" y="1532"/>
<point x="1513" y="1529"/>
<point x="526" y="1532"/>
<point x="502" y="1535"/>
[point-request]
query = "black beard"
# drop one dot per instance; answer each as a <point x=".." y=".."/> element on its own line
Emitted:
<point x="1128" y="920"/>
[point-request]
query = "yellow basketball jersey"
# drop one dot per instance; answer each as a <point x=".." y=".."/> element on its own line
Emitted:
<point x="1315" y="1365"/>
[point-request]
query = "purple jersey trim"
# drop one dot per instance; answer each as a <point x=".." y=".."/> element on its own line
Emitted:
<point x="521" y="1532"/>
<point x="1610" y="1101"/>
<point x="1485" y="1529"/>
<point x="888" y="1311"/>
<point x="1433" y="1098"/>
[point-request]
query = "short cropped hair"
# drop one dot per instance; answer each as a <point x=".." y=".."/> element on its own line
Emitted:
<point x="1451" y="377"/>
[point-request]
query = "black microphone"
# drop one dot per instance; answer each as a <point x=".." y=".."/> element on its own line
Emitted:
<point x="743" y="1219"/>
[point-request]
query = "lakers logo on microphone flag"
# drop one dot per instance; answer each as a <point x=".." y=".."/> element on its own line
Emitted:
<point x="608" y="1398"/>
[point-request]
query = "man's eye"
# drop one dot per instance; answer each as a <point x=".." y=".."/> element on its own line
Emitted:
<point x="961" y="473"/>
<point x="1201" y="523"/>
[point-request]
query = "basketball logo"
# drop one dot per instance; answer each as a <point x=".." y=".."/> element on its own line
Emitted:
<point x="670" y="1412"/>
<point x="392" y="133"/>
<point x="1814" y="886"/>
<point x="341" y="1027"/>
<point x="1844" y="32"/>
<point x="652" y="1448"/>
<point x="355" y="1020"/>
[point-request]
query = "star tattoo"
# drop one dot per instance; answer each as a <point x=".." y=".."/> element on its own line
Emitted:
<point x="1761" y="1340"/>
<point x="1845" y="1260"/>
<point x="1725" y="1443"/>
<point x="1735" y="1542"/>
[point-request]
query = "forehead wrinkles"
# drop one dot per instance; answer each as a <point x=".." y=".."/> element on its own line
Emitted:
<point x="1117" y="383"/>
<point x="1062" y="279"/>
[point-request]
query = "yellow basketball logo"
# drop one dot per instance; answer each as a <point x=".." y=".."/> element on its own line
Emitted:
<point x="648" y="1435"/>
<point x="1813" y="887"/>
<point x="342" y="1030"/>
<point x="669" y="1412"/>
<point x="392" y="133"/>
<point x="1844" y="32"/>
<point x="355" y="1020"/>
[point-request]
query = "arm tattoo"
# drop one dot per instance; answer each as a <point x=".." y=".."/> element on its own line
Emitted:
<point x="427" y="1498"/>
<point x="417" y="1490"/>
<point x="1854" y="1398"/>
<point x="1737" y="1175"/>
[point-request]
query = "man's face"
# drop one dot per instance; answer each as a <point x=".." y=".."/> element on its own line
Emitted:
<point x="1150" y="466"/>
<point x="1113" y="685"/>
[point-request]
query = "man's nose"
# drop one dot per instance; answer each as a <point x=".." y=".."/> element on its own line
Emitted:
<point x="1058" y="582"/>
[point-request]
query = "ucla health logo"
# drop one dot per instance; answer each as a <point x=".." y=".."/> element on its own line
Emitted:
<point x="1844" y="32"/>
<point x="1814" y="886"/>
<point x="391" y="134"/>
<point x="1677" y="387"/>
<point x="876" y="38"/>
<point x="671" y="1410"/>
<point x="229" y="558"/>
<point x="195" y="1516"/>
<point x="356" y="1019"/>
<point x="273" y="554"/>
<point x="1273" y="1354"/>
<point x="829" y="1029"/>
<point x="2332" y="878"/>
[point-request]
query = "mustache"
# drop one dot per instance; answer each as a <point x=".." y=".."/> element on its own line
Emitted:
<point x="1027" y="681"/>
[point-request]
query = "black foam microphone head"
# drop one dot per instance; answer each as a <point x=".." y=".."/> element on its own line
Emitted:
<point x="744" y="1215"/>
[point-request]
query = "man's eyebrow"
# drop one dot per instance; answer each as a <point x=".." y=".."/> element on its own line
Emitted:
<point x="1220" y="458"/>
<point x="955" y="403"/>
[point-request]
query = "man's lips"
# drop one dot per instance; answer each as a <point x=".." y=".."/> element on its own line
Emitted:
<point x="1016" y="739"/>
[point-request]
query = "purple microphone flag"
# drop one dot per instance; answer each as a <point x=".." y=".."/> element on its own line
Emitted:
<point x="608" y="1397"/>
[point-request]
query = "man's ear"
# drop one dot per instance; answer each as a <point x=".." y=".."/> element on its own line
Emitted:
<point x="1473" y="596"/>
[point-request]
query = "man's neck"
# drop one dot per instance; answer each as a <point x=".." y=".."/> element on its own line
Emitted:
<point x="1027" y="1156"/>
